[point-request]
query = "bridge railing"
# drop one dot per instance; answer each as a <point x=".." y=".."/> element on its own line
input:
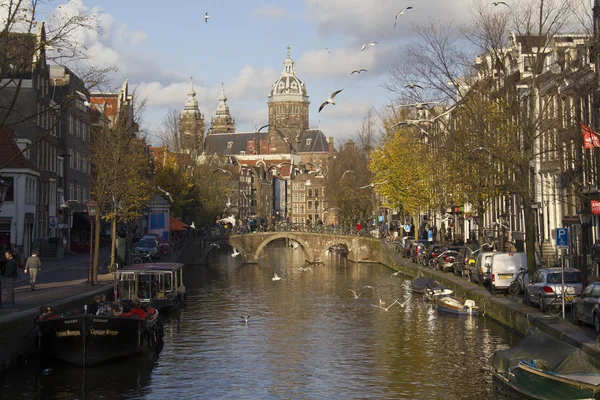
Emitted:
<point x="309" y="228"/>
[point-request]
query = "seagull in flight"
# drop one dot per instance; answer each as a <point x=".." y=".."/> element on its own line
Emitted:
<point x="327" y="50"/>
<point x="166" y="193"/>
<point x="356" y="295"/>
<point x="206" y="17"/>
<point x="496" y="3"/>
<point x="303" y="269"/>
<point x="330" y="99"/>
<point x="276" y="277"/>
<point x="358" y="71"/>
<point x="413" y="86"/>
<point x="230" y="220"/>
<point x="430" y="120"/>
<point x="372" y="185"/>
<point x="418" y="106"/>
<point x="382" y="303"/>
<point x="396" y="273"/>
<point x="228" y="203"/>
<point x="261" y="128"/>
<point x="364" y="46"/>
<point x="235" y="253"/>
<point x="224" y="171"/>
<point x="193" y="225"/>
<point x="348" y="171"/>
<point x="403" y="304"/>
<point x="245" y="319"/>
<point x="401" y="12"/>
<point x="411" y="123"/>
<point x="214" y="245"/>
<point x="368" y="287"/>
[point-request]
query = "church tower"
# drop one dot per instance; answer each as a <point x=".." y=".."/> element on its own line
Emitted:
<point x="288" y="102"/>
<point x="191" y="125"/>
<point x="222" y="122"/>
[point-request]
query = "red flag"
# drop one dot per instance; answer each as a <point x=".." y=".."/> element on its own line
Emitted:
<point x="591" y="138"/>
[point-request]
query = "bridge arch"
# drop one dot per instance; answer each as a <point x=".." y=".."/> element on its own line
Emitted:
<point x="308" y="255"/>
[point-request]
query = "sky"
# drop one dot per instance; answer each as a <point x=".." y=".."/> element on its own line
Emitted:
<point x="159" y="45"/>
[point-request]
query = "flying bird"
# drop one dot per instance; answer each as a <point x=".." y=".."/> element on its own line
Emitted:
<point x="400" y="13"/>
<point x="224" y="171"/>
<point x="356" y="295"/>
<point x="403" y="304"/>
<point x="396" y="273"/>
<point x="261" y="128"/>
<point x="358" y="71"/>
<point x="330" y="99"/>
<point x="327" y="50"/>
<point x="430" y="120"/>
<point x="193" y="225"/>
<point x="364" y="46"/>
<point x="276" y="277"/>
<point x="413" y="86"/>
<point x="496" y="3"/>
<point x="348" y="171"/>
<point x="418" y="106"/>
<point x="228" y="220"/>
<point x="304" y="269"/>
<point x="235" y="253"/>
<point x="245" y="319"/>
<point x="166" y="193"/>
<point x="368" y="287"/>
<point x="372" y="185"/>
<point x="214" y="245"/>
<point x="206" y="17"/>
<point x="228" y="202"/>
<point x="382" y="304"/>
<point x="411" y="123"/>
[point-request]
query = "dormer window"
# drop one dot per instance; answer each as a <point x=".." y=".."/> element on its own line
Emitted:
<point x="308" y="142"/>
<point x="229" y="145"/>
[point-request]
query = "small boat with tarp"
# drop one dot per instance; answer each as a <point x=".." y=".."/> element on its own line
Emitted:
<point x="159" y="285"/>
<point x="453" y="305"/>
<point x="543" y="367"/>
<point x="421" y="284"/>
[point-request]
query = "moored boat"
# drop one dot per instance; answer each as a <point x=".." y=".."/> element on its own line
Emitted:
<point x="543" y="367"/>
<point x="421" y="284"/>
<point x="84" y="339"/>
<point x="453" y="305"/>
<point x="159" y="285"/>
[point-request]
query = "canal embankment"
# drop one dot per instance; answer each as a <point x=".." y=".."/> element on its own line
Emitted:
<point x="506" y="310"/>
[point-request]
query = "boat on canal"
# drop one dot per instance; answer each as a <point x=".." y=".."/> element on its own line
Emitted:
<point x="158" y="285"/>
<point x="543" y="367"/>
<point x="85" y="339"/>
<point x="452" y="305"/>
<point x="421" y="284"/>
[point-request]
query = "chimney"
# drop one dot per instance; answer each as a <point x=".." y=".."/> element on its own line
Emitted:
<point x="330" y="145"/>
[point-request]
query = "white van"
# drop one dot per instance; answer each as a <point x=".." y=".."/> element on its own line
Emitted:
<point x="504" y="269"/>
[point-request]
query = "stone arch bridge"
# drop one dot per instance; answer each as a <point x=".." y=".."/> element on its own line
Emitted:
<point x="314" y="245"/>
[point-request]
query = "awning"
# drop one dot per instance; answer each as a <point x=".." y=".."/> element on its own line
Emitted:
<point x="177" y="225"/>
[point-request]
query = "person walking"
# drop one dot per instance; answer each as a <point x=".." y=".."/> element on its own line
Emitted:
<point x="10" y="275"/>
<point x="33" y="266"/>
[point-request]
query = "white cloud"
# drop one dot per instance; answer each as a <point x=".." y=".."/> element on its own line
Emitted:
<point x="271" y="12"/>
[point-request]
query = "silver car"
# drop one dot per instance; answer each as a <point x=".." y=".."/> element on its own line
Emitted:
<point x="147" y="247"/>
<point x="546" y="285"/>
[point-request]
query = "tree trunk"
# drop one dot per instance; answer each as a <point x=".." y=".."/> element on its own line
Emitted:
<point x="530" y="234"/>
<point x="96" y="249"/>
<point x="113" y="241"/>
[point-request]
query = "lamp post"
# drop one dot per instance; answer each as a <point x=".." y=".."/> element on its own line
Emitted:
<point x="92" y="210"/>
<point x="4" y="185"/>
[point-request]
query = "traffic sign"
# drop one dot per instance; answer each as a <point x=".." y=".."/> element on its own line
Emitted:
<point x="407" y="228"/>
<point x="430" y="235"/>
<point x="562" y="237"/>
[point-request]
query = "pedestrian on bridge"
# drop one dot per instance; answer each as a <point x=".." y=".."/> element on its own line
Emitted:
<point x="33" y="266"/>
<point x="10" y="274"/>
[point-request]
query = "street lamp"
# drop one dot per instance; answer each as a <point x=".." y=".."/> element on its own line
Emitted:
<point x="4" y="185"/>
<point x="92" y="207"/>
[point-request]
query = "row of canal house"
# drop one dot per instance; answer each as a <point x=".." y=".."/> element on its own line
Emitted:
<point x="560" y="75"/>
<point x="49" y="182"/>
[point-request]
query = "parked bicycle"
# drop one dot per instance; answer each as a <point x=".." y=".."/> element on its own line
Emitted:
<point x="518" y="285"/>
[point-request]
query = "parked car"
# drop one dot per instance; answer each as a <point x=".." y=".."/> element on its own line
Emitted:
<point x="585" y="306"/>
<point x="147" y="247"/>
<point x="466" y="254"/>
<point x="504" y="268"/>
<point x="546" y="285"/>
<point x="481" y="272"/>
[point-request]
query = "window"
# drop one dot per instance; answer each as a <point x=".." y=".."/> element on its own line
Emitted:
<point x="76" y="160"/>
<point x="71" y="158"/>
<point x="302" y="186"/>
<point x="70" y="193"/>
<point x="302" y="197"/>
<point x="229" y="145"/>
<point x="295" y="207"/>
<point x="71" y="126"/>
<point x="295" y="186"/>
<point x="310" y="193"/>
<point x="316" y="192"/>
<point x="10" y="193"/>
<point x="301" y="208"/>
<point x="308" y="141"/>
<point x="295" y="197"/>
<point x="310" y="205"/>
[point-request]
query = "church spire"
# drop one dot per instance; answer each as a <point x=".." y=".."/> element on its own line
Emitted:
<point x="222" y="122"/>
<point x="288" y="64"/>
<point x="191" y="104"/>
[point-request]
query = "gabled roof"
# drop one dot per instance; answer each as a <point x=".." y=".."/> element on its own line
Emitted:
<point x="8" y="150"/>
<point x="313" y="141"/>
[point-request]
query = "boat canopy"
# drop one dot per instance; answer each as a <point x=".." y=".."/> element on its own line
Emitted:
<point x="546" y="353"/>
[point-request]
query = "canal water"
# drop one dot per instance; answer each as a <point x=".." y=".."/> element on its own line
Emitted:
<point x="307" y="338"/>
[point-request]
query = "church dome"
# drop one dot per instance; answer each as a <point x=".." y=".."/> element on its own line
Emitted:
<point x="288" y="83"/>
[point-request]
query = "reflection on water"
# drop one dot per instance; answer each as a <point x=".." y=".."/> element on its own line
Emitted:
<point x="307" y="337"/>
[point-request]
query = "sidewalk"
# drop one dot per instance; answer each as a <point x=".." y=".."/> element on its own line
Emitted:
<point x="58" y="280"/>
